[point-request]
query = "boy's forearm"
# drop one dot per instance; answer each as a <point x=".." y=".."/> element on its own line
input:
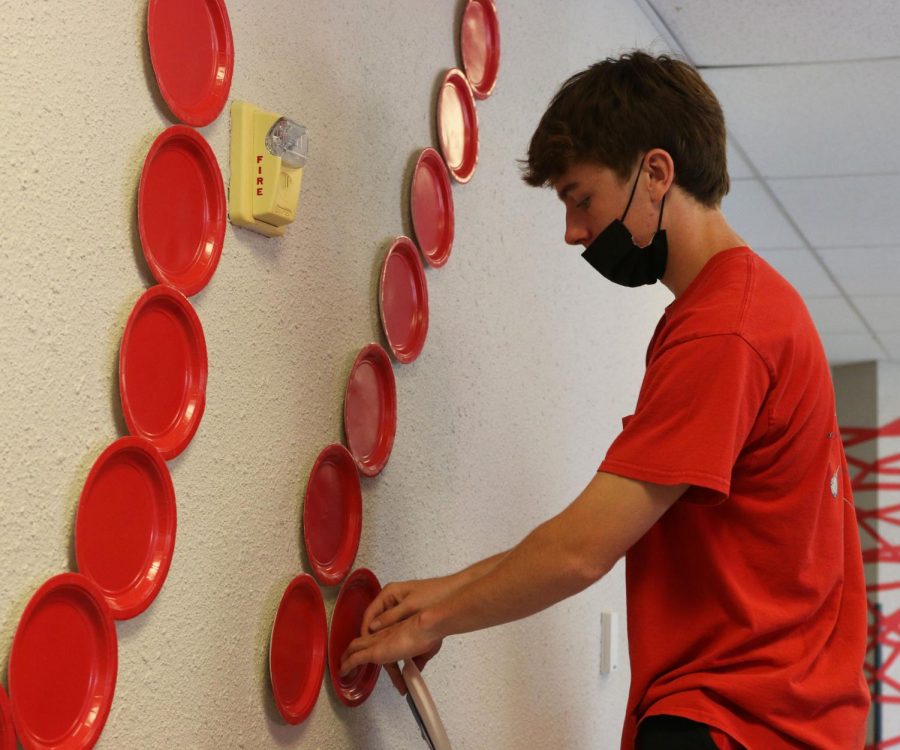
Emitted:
<point x="532" y="576"/>
<point x="479" y="569"/>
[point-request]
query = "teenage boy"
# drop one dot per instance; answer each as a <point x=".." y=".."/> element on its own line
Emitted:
<point x="727" y="490"/>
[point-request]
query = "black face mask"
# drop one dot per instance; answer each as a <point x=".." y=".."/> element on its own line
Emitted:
<point x="614" y="254"/>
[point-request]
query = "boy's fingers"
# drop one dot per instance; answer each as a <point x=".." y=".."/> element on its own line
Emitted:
<point x="377" y="606"/>
<point x="353" y="655"/>
<point x="391" y="617"/>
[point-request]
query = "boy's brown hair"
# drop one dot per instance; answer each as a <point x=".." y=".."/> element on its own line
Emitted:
<point x="620" y="108"/>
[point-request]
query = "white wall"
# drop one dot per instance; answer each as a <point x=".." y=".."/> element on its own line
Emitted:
<point x="531" y="359"/>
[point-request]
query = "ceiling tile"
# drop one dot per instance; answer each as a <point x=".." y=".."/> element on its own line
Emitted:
<point x="801" y="120"/>
<point x="843" y="211"/>
<point x="738" y="169"/>
<point x="729" y="32"/>
<point x="865" y="270"/>
<point x="756" y="217"/>
<point x="851" y="347"/>
<point x="891" y="342"/>
<point x="882" y="313"/>
<point x="834" y="315"/>
<point x="803" y="271"/>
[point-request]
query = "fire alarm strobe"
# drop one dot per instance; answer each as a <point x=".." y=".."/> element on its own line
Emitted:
<point x="268" y="153"/>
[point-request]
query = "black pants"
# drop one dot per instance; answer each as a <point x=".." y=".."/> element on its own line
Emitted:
<point x="664" y="732"/>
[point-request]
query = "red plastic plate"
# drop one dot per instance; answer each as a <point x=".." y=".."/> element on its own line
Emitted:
<point x="431" y="206"/>
<point x="458" y="125"/>
<point x="192" y="53"/>
<point x="181" y="209"/>
<point x="403" y="300"/>
<point x="332" y="514"/>
<point x="479" y="42"/>
<point x="355" y="596"/>
<point x="163" y="370"/>
<point x="297" y="649"/>
<point x="7" y="730"/>
<point x="63" y="665"/>
<point x="370" y="410"/>
<point x="125" y="528"/>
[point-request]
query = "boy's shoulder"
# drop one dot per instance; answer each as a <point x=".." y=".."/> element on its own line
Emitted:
<point x="739" y="293"/>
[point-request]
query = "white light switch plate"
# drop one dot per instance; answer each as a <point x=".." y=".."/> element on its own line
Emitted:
<point x="609" y="642"/>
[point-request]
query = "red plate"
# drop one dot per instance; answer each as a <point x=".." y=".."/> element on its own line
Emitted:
<point x="403" y="300"/>
<point x="479" y="42"/>
<point x="431" y="206"/>
<point x="458" y="125"/>
<point x="355" y="596"/>
<point x="7" y="730"/>
<point x="181" y="209"/>
<point x="63" y="665"/>
<point x="192" y="53"/>
<point x="125" y="528"/>
<point x="370" y="410"/>
<point x="162" y="370"/>
<point x="297" y="649"/>
<point x="332" y="514"/>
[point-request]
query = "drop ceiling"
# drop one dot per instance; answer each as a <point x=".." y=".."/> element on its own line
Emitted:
<point x="811" y="94"/>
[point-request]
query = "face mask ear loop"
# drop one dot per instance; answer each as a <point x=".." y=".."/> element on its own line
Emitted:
<point x="661" y="208"/>
<point x="631" y="197"/>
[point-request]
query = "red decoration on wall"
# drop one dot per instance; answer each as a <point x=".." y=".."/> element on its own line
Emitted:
<point x="879" y="546"/>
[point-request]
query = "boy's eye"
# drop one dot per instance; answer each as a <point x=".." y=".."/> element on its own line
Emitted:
<point x="584" y="204"/>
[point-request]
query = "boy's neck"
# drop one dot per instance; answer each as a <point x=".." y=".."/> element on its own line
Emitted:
<point x="694" y="235"/>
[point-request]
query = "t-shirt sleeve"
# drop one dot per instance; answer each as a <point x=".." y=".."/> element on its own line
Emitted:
<point x="697" y="406"/>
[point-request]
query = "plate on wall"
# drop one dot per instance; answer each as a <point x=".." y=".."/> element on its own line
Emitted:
<point x="479" y="43"/>
<point x="63" y="665"/>
<point x="431" y="207"/>
<point x="7" y="730"/>
<point x="163" y="370"/>
<point x="125" y="525"/>
<point x="457" y="123"/>
<point x="192" y="53"/>
<point x="181" y="210"/>
<point x="357" y="593"/>
<point x="298" y="648"/>
<point x="370" y="410"/>
<point x="332" y="514"/>
<point x="403" y="300"/>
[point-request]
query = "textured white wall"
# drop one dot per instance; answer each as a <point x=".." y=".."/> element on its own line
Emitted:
<point x="531" y="359"/>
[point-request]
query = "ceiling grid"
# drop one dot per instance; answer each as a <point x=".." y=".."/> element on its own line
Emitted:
<point x="810" y="98"/>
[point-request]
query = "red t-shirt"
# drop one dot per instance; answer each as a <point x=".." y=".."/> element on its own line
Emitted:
<point x="746" y="600"/>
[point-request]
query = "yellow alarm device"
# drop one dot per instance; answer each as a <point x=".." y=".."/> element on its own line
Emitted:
<point x="268" y="153"/>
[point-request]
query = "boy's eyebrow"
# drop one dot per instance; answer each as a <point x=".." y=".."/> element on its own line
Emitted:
<point x="566" y="190"/>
